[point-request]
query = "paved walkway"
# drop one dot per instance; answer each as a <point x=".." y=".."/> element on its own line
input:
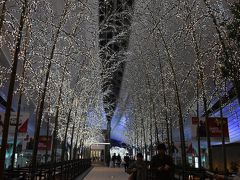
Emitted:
<point x="105" y="173"/>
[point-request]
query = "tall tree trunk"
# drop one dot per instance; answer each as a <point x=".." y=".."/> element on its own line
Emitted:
<point x="39" y="120"/>
<point x="71" y="145"/>
<point x="201" y="79"/>
<point x="151" y="139"/>
<point x="17" y="122"/>
<point x="222" y="132"/>
<point x="108" y="140"/>
<point x="223" y="141"/>
<point x="11" y="88"/>
<point x="66" y="130"/>
<point x="144" y="130"/>
<point x="178" y="102"/>
<point x="16" y="129"/>
<point x="141" y="141"/>
<point x="75" y="148"/>
<point x="41" y="108"/>
<point x="47" y="141"/>
<point x="200" y="73"/>
<point x="20" y="97"/>
<point x="153" y="112"/>
<point x="68" y="120"/>
<point x="210" y="163"/>
<point x="155" y="121"/>
<point x="55" y="131"/>
<point x="165" y="104"/>
<point x="170" y="125"/>
<point x="81" y="147"/>
<point x="48" y="124"/>
<point x="70" y="109"/>
<point x="198" y="125"/>
<point x="137" y="139"/>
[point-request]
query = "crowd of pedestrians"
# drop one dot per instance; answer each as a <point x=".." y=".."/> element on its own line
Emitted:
<point x="161" y="166"/>
<point x="116" y="160"/>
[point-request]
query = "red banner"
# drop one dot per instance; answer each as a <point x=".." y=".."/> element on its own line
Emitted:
<point x="215" y="127"/>
<point x="44" y="142"/>
<point x="214" y="124"/>
<point x="22" y="125"/>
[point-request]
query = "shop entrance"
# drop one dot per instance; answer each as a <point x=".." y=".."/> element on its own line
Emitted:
<point x="97" y="155"/>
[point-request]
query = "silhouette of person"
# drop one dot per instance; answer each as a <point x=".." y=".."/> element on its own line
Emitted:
<point x="138" y="169"/>
<point x="119" y="160"/>
<point x="126" y="160"/>
<point x="162" y="164"/>
<point x="114" y="158"/>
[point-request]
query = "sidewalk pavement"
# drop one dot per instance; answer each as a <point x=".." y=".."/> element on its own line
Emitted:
<point x="105" y="173"/>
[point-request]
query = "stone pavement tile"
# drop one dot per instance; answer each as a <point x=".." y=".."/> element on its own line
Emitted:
<point x="106" y="173"/>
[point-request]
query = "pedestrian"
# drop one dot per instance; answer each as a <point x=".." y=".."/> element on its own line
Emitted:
<point x="126" y="160"/>
<point x="161" y="164"/>
<point x="114" y="158"/>
<point x="138" y="169"/>
<point x="119" y="160"/>
<point x="173" y="150"/>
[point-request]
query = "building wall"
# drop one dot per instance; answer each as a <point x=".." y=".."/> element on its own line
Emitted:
<point x="233" y="155"/>
<point x="232" y="113"/>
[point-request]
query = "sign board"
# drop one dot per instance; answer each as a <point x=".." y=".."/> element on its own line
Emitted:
<point x="214" y="124"/>
<point x="44" y="142"/>
<point x="97" y="146"/>
<point x="23" y="122"/>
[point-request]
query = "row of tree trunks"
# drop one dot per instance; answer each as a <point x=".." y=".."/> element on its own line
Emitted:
<point x="42" y="100"/>
<point x="25" y="47"/>
<point x="11" y="86"/>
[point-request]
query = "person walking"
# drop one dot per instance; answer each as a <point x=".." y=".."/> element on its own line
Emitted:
<point x="114" y="158"/>
<point x="138" y="169"/>
<point x="126" y="161"/>
<point x="161" y="164"/>
<point x="119" y="160"/>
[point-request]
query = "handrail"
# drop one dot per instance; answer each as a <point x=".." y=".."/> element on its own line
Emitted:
<point x="66" y="170"/>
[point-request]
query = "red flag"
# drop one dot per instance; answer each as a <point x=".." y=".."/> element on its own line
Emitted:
<point x="23" y="127"/>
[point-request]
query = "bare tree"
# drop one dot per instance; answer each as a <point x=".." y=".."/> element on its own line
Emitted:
<point x="11" y="85"/>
